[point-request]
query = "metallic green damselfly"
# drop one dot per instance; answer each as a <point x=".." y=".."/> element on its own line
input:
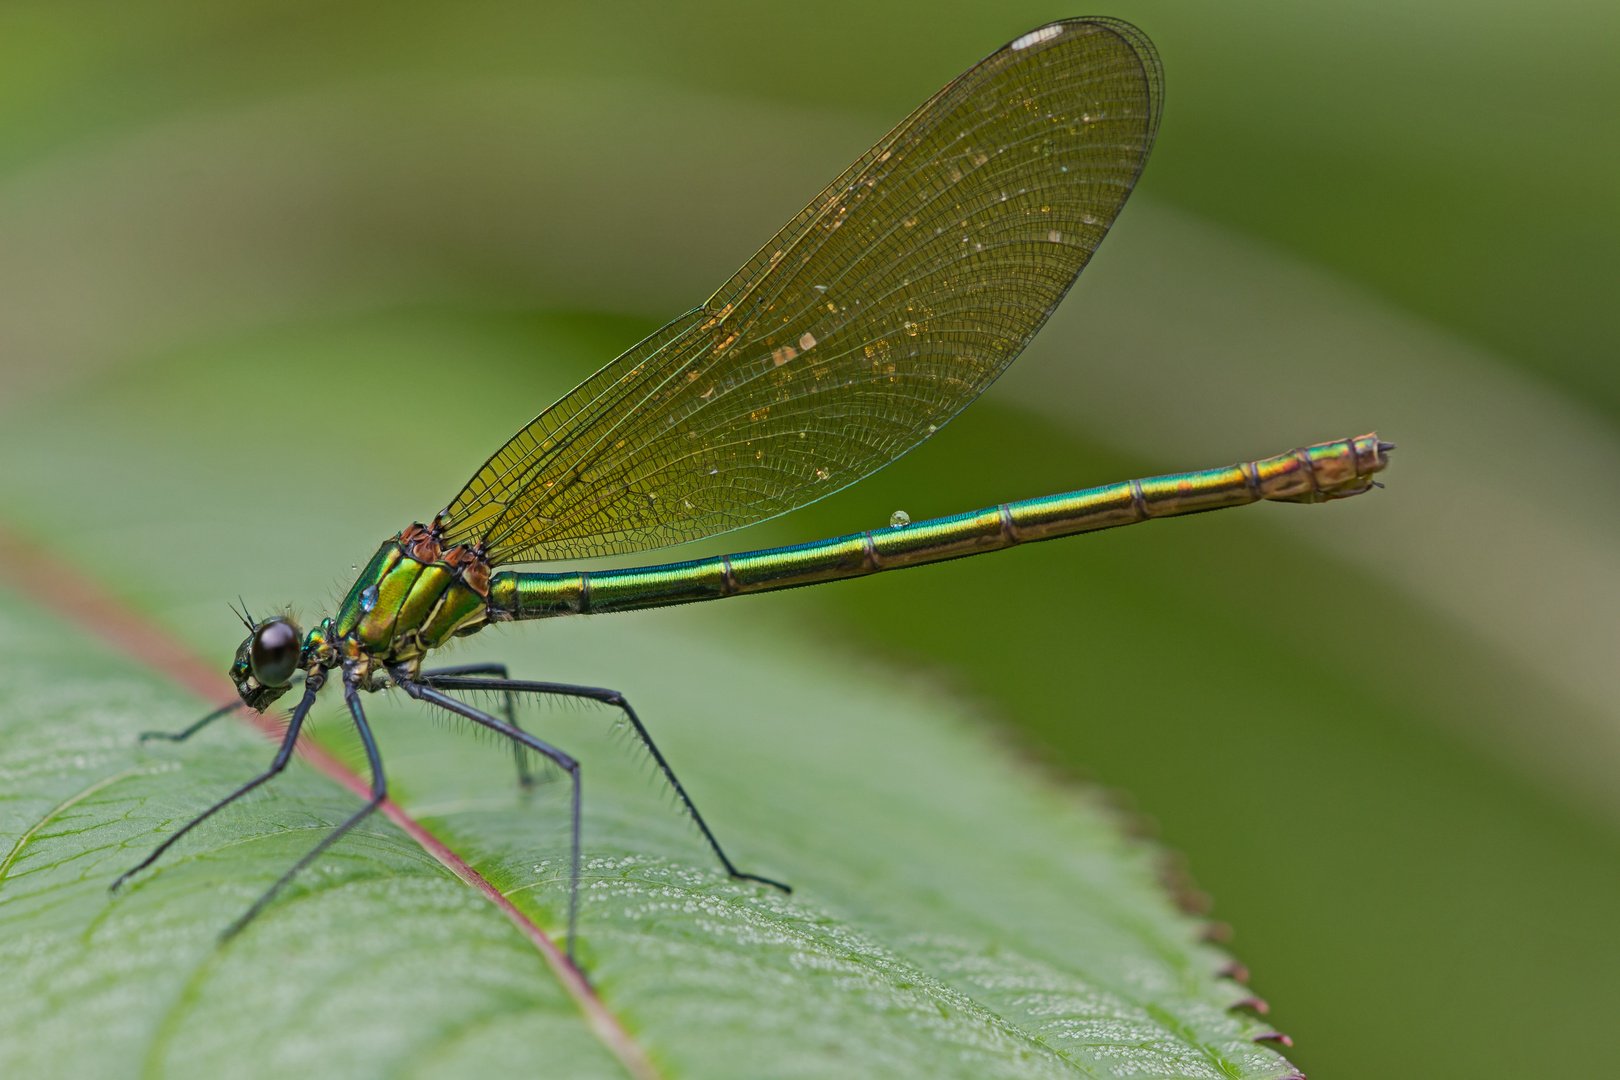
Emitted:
<point x="877" y="314"/>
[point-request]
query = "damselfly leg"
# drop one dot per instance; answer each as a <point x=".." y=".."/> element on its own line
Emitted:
<point x="454" y="680"/>
<point x="423" y="692"/>
<point x="181" y="736"/>
<point x="519" y="751"/>
<point x="283" y="755"/>
<point x="379" y="792"/>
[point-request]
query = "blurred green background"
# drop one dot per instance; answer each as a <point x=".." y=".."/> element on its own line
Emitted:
<point x="1383" y="733"/>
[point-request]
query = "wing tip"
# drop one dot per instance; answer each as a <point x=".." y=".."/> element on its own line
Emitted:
<point x="1133" y="36"/>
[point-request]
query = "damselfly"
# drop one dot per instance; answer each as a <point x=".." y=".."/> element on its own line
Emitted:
<point x="877" y="314"/>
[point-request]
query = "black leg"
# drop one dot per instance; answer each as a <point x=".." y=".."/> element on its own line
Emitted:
<point x="182" y="736"/>
<point x="617" y="700"/>
<point x="422" y="692"/>
<point x="283" y="755"/>
<point x="379" y="792"/>
<point x="519" y="751"/>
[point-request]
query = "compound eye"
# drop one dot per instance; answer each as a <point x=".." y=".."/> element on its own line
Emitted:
<point x="274" y="655"/>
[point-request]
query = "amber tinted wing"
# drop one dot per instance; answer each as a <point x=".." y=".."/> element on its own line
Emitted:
<point x="878" y="313"/>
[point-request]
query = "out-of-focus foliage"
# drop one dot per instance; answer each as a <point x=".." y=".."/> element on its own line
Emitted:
<point x="1383" y="732"/>
<point x="1459" y="157"/>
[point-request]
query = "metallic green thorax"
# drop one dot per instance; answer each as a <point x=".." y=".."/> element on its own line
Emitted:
<point x="403" y="605"/>
<point x="412" y="597"/>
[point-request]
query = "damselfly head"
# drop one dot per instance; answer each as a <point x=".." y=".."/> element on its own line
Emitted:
<point x="266" y="662"/>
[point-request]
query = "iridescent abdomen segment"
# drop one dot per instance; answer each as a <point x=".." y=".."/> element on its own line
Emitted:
<point x="1332" y="470"/>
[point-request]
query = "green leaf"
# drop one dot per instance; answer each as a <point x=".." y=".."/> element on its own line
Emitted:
<point x="955" y="913"/>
